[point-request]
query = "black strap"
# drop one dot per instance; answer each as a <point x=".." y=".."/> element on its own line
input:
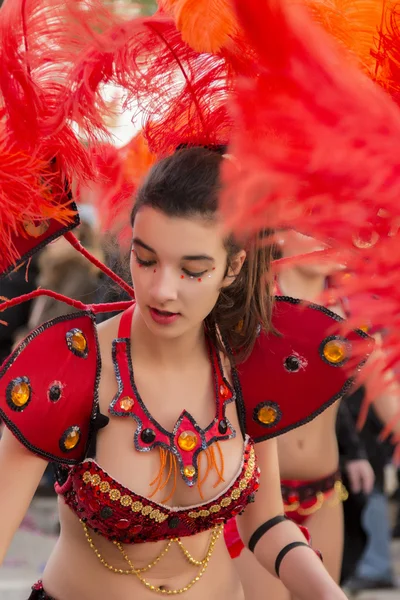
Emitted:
<point x="260" y="531"/>
<point x="284" y="551"/>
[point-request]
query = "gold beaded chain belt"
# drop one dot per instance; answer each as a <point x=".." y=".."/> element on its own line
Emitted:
<point x="202" y="564"/>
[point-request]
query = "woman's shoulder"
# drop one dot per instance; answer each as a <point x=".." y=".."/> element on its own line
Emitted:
<point x="297" y="371"/>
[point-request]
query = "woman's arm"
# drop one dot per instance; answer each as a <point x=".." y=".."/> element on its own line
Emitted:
<point x="301" y="570"/>
<point x="20" y="475"/>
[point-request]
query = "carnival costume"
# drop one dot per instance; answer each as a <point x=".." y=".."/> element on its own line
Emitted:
<point x="313" y="357"/>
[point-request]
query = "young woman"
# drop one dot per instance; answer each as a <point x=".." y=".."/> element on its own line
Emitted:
<point x="133" y="522"/>
<point x="309" y="455"/>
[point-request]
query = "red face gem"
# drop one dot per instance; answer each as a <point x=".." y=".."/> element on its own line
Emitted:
<point x="122" y="524"/>
<point x="199" y="279"/>
<point x="182" y="277"/>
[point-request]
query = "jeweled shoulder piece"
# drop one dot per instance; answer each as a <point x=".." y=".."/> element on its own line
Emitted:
<point x="48" y="388"/>
<point x="291" y="378"/>
<point x="188" y="439"/>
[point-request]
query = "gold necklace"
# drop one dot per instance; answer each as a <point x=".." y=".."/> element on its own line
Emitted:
<point x="137" y="572"/>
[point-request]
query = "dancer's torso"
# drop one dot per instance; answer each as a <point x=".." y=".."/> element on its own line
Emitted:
<point x="74" y="570"/>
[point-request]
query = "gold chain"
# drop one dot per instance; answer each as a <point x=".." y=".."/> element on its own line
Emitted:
<point x="137" y="572"/>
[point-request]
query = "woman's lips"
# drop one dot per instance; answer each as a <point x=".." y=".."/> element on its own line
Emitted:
<point x="163" y="317"/>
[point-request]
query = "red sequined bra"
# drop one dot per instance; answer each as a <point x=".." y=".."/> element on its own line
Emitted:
<point x="119" y="514"/>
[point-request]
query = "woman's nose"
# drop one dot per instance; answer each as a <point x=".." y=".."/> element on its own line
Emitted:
<point x="164" y="286"/>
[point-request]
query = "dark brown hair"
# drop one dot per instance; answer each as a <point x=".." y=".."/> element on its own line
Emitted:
<point x="187" y="184"/>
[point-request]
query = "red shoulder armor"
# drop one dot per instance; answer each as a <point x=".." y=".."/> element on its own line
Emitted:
<point x="48" y="388"/>
<point x="291" y="378"/>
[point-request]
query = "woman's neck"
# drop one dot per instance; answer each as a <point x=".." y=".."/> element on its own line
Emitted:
<point x="166" y="352"/>
<point x="295" y="283"/>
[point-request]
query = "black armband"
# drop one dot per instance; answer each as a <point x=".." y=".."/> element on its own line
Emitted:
<point x="260" y="531"/>
<point x="287" y="549"/>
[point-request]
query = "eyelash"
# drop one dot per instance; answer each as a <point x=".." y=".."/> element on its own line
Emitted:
<point x="150" y="263"/>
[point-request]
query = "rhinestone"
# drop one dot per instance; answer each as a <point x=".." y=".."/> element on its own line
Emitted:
<point x="126" y="403"/>
<point x="137" y="506"/>
<point x="148" y="436"/>
<point x="293" y="498"/>
<point x="223" y="426"/>
<point x="126" y="500"/>
<point x="94" y="505"/>
<point x="104" y="487"/>
<point x="136" y="529"/>
<point x="122" y="524"/>
<point x="54" y="393"/>
<point x="224" y="391"/>
<point x="155" y="514"/>
<point x="204" y="513"/>
<point x="173" y="523"/>
<point x="235" y="494"/>
<point x="243" y="484"/>
<point x="335" y="351"/>
<point x="267" y="415"/>
<point x="20" y="393"/>
<point x="292" y="364"/>
<point x="96" y="479"/>
<point x="187" y="441"/>
<point x="77" y="341"/>
<point x="115" y="494"/>
<point x="71" y="438"/>
<point x="106" y="512"/>
<point x="189" y="471"/>
<point x="226" y="502"/>
<point x="193" y="515"/>
<point x="36" y="230"/>
<point x="215" y="508"/>
<point x="146" y="510"/>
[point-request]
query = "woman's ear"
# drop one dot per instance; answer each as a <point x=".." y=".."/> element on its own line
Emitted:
<point x="234" y="267"/>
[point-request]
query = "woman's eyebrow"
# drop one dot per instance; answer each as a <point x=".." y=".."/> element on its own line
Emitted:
<point x="139" y="242"/>
<point x="198" y="257"/>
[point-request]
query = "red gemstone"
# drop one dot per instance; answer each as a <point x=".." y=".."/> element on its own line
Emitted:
<point x="292" y="498"/>
<point x="82" y="494"/>
<point x="238" y="509"/>
<point x="94" y="505"/>
<point x="136" y="529"/>
<point x="223" y="391"/>
<point x="122" y="524"/>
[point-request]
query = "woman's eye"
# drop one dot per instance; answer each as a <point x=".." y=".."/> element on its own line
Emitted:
<point x="144" y="263"/>
<point x="192" y="274"/>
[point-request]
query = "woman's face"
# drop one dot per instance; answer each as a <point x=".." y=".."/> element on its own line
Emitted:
<point x="178" y="268"/>
<point x="295" y="244"/>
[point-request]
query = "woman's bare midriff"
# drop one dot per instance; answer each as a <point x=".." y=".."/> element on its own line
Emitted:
<point x="311" y="451"/>
<point x="74" y="571"/>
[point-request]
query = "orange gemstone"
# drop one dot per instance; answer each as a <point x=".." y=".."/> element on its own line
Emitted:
<point x="72" y="439"/>
<point x="36" y="230"/>
<point x="189" y="471"/>
<point x="335" y="351"/>
<point x="187" y="441"/>
<point x="78" y="342"/>
<point x="20" y="394"/>
<point x="267" y="415"/>
<point x="126" y="403"/>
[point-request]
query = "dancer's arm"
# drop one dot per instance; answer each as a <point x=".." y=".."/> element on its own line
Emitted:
<point x="301" y="570"/>
<point x="20" y="475"/>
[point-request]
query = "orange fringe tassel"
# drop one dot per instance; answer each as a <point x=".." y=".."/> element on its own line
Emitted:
<point x="213" y="463"/>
